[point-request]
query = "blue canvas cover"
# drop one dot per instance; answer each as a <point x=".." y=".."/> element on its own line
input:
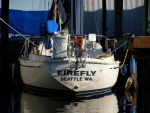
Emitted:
<point x="27" y="22"/>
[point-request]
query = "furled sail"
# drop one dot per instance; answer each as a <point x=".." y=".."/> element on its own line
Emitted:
<point x="60" y="13"/>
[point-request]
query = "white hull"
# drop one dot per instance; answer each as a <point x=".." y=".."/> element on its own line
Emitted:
<point x="98" y="74"/>
<point x="74" y="63"/>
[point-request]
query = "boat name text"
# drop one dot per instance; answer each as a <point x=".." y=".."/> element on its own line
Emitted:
<point x="76" y="73"/>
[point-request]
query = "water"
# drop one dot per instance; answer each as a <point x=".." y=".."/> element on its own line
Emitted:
<point x="20" y="100"/>
<point x="39" y="104"/>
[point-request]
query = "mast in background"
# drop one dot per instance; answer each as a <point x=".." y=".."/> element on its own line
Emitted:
<point x="118" y="18"/>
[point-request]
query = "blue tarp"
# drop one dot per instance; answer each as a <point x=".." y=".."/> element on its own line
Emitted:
<point x="28" y="22"/>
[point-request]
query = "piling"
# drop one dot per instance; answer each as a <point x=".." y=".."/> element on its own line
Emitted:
<point x="5" y="44"/>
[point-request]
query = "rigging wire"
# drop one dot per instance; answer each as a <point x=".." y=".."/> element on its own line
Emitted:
<point x="17" y="32"/>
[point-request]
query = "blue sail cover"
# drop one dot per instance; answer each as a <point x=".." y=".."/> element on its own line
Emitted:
<point x="28" y="22"/>
<point x="52" y="26"/>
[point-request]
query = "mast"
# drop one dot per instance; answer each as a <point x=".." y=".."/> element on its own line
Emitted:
<point x="74" y="16"/>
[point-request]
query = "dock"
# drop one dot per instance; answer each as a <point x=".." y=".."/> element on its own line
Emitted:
<point x="141" y="46"/>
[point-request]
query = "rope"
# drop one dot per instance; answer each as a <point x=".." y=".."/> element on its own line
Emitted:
<point x="125" y="54"/>
<point x="17" y="31"/>
<point x="120" y="46"/>
<point x="107" y="55"/>
<point x="123" y="60"/>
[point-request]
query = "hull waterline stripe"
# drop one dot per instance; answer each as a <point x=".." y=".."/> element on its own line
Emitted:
<point x="94" y="91"/>
<point x="80" y="93"/>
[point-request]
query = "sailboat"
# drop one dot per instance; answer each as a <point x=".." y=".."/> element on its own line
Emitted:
<point x="75" y="63"/>
<point x="65" y="62"/>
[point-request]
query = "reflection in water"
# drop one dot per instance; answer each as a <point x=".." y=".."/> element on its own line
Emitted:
<point x="30" y="103"/>
<point x="124" y="102"/>
<point x="128" y="102"/>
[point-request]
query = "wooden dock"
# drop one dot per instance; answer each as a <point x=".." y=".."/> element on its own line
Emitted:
<point x="141" y="51"/>
<point x="141" y="42"/>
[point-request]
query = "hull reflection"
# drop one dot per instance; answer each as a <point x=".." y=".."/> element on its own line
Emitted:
<point x="106" y="103"/>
